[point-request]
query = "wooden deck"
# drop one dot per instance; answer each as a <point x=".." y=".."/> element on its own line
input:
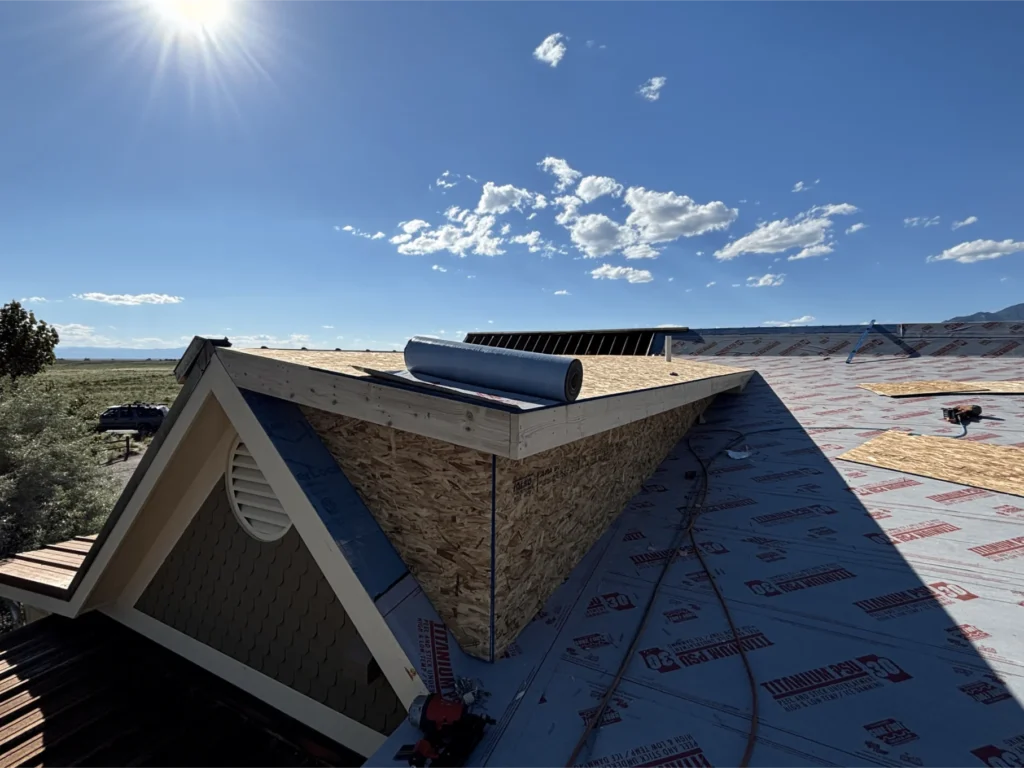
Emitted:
<point x="52" y="566"/>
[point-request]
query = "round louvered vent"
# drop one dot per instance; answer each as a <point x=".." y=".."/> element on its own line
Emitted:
<point x="252" y="499"/>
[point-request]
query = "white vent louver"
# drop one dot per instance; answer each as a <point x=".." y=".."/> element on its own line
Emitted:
<point x="252" y="499"/>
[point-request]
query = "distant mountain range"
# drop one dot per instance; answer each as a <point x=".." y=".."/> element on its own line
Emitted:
<point x="117" y="353"/>
<point x="1010" y="314"/>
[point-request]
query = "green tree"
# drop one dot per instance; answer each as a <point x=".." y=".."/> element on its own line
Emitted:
<point x="26" y="344"/>
<point x="52" y="486"/>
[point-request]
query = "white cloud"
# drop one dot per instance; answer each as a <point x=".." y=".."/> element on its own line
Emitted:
<point x="551" y="50"/>
<point x="495" y="199"/>
<point x="789" y="323"/>
<point x="700" y="253"/>
<point x="347" y="228"/>
<point x="1003" y="279"/>
<point x="765" y="281"/>
<point x="506" y="228"/>
<point x="533" y="241"/>
<point x="596" y="235"/>
<point x="593" y="187"/>
<point x="801" y="187"/>
<point x="560" y="169"/>
<point x="856" y="228"/>
<point x="399" y="239"/>
<point x="651" y="90"/>
<point x="804" y="230"/>
<point x="979" y="250"/>
<point x="640" y="251"/>
<point x="468" y="233"/>
<point x="328" y="327"/>
<point x="438" y="268"/>
<point x="78" y="335"/>
<point x="412" y="227"/>
<point x="711" y="284"/>
<point x="531" y="216"/>
<point x="562" y="293"/>
<point x="921" y="221"/>
<point x="447" y="180"/>
<point x="811" y="251"/>
<point x="128" y="299"/>
<point x="539" y="201"/>
<point x="34" y="300"/>
<point x="378" y="236"/>
<point x="966" y="222"/>
<point x="570" y="209"/>
<point x="608" y="272"/>
<point x="662" y="216"/>
<point x="337" y="228"/>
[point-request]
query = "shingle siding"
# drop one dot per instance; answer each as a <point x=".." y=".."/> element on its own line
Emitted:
<point x="269" y="607"/>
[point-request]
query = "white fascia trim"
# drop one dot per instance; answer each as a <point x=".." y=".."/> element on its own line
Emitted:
<point x="323" y="719"/>
<point x="369" y="622"/>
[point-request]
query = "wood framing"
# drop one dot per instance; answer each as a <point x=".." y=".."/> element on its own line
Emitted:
<point x="494" y="431"/>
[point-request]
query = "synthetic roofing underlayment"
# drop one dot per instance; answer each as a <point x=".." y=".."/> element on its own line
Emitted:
<point x="877" y="609"/>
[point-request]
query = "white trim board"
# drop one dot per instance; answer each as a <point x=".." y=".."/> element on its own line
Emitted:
<point x="334" y="725"/>
<point x="358" y="604"/>
<point x="490" y="430"/>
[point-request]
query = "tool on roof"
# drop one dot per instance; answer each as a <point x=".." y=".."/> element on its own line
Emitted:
<point x="450" y="732"/>
<point x="961" y="414"/>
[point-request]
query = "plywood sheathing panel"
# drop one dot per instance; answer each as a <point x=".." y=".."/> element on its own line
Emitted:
<point x="433" y="500"/>
<point x="553" y="506"/>
<point x="993" y="467"/>
<point x="602" y="374"/>
<point x="912" y="388"/>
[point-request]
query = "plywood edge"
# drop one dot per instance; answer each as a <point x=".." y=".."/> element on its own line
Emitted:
<point x="542" y="430"/>
<point x="943" y="387"/>
<point x="468" y="425"/>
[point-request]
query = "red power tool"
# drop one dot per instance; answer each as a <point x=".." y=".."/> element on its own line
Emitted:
<point x="450" y="732"/>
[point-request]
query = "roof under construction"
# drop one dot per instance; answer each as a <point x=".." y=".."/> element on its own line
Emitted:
<point x="761" y="600"/>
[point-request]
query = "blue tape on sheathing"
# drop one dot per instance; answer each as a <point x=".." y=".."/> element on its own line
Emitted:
<point x="366" y="547"/>
<point x="509" y="370"/>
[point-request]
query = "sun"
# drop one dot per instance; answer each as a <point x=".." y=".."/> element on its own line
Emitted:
<point x="198" y="17"/>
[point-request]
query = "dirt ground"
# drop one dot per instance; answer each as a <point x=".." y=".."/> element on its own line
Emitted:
<point x="122" y="470"/>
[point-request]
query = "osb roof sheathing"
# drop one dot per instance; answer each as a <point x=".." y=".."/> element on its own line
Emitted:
<point x="602" y="374"/>
<point x="921" y="388"/>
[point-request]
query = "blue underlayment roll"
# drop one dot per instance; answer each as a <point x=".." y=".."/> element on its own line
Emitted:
<point x="509" y="370"/>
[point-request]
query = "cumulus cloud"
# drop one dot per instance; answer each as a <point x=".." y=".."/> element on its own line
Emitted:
<point x="570" y="205"/>
<point x="561" y="170"/>
<point x="347" y="228"/>
<point x="593" y="187"/>
<point x="711" y="284"/>
<point x="640" y="251"/>
<point x="662" y="216"/>
<point x="551" y="50"/>
<point x="855" y="228"/>
<point x="34" y="300"/>
<point x="438" y="268"/>
<point x="812" y="251"/>
<point x="921" y="221"/>
<point x="533" y="241"/>
<point x="129" y="299"/>
<point x="596" y="235"/>
<point x="789" y="323"/>
<point x="539" y="201"/>
<point x="966" y="222"/>
<point x="411" y="227"/>
<point x="495" y="199"/>
<point x="399" y="239"/>
<point x="765" y="281"/>
<point x="562" y="293"/>
<point x="505" y="229"/>
<point x="979" y="250"/>
<point x="608" y="272"/>
<point x="464" y="234"/>
<point x="651" y="90"/>
<point x="805" y="230"/>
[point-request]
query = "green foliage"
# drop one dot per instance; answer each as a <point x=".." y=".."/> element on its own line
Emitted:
<point x="26" y="344"/>
<point x="52" y="486"/>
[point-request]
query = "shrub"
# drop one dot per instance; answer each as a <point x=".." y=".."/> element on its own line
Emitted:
<point x="51" y="484"/>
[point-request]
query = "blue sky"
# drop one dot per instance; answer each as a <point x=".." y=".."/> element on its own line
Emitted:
<point x="157" y="182"/>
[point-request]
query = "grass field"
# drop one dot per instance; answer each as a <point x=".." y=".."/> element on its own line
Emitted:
<point x="94" y="385"/>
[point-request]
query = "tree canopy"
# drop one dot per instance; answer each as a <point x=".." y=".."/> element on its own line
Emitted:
<point x="26" y="344"/>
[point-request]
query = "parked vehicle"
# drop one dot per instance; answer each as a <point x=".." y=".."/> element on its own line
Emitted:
<point x="140" y="417"/>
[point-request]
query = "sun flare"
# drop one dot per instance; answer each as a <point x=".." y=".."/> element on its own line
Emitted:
<point x="199" y="17"/>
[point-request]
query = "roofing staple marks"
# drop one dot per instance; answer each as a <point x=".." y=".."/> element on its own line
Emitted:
<point x="914" y="388"/>
<point x="994" y="467"/>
